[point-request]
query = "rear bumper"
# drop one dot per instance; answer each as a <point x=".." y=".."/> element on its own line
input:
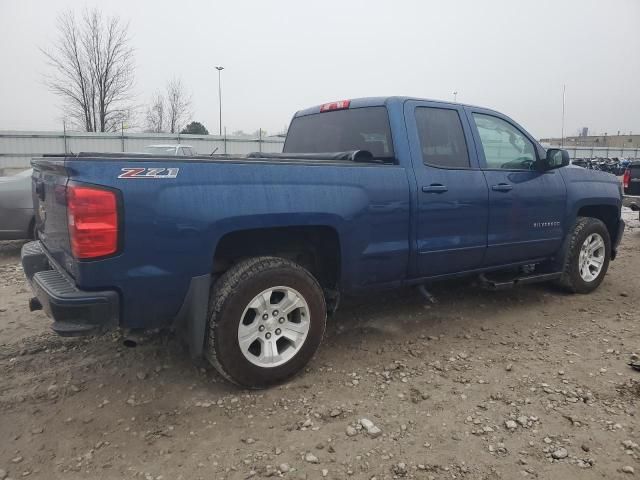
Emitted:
<point x="75" y="312"/>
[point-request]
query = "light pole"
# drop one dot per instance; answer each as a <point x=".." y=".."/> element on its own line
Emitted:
<point x="455" y="96"/>
<point x="220" y="68"/>
<point x="564" y="91"/>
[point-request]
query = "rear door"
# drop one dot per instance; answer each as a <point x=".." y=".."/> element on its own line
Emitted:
<point x="452" y="205"/>
<point x="526" y="206"/>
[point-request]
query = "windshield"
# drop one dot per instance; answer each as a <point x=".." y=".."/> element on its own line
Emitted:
<point x="157" y="150"/>
<point x="342" y="131"/>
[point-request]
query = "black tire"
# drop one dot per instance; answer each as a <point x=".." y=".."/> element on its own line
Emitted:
<point x="229" y="297"/>
<point x="571" y="279"/>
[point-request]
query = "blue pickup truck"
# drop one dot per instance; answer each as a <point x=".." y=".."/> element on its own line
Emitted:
<point x="245" y="255"/>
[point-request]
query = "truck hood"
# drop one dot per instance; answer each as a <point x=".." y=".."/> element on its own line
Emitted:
<point x="573" y="173"/>
<point x="592" y="187"/>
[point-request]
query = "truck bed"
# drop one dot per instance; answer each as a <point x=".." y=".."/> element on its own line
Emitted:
<point x="357" y="156"/>
<point x="170" y="226"/>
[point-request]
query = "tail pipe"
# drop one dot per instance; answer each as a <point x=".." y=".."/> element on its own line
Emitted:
<point x="133" y="338"/>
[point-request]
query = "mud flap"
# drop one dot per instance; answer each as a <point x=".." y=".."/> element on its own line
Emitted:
<point x="191" y="321"/>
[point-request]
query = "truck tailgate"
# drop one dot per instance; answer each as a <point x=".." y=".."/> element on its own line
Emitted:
<point x="49" y="184"/>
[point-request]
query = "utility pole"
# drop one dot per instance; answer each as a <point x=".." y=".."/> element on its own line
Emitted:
<point x="64" y="134"/>
<point x="455" y="96"/>
<point x="220" y="68"/>
<point x="564" y="90"/>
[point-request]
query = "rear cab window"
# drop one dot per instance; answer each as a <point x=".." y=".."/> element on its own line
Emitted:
<point x="365" y="128"/>
<point x="442" y="139"/>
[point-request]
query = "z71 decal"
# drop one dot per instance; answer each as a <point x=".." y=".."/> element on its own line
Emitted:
<point x="139" y="172"/>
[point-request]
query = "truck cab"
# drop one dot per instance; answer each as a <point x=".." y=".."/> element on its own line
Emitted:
<point x="481" y="192"/>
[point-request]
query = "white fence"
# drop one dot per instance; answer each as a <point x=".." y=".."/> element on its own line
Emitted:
<point x="17" y="148"/>
<point x="598" y="152"/>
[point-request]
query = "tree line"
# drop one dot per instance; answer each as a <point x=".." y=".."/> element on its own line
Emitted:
<point x="92" y="70"/>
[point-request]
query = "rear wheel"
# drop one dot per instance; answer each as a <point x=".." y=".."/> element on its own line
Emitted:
<point x="587" y="257"/>
<point x="267" y="316"/>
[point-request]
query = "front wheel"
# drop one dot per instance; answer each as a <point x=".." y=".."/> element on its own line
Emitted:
<point x="267" y="317"/>
<point x="587" y="257"/>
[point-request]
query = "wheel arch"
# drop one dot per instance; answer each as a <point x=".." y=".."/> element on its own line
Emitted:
<point x="608" y="214"/>
<point x="572" y="278"/>
<point x="315" y="247"/>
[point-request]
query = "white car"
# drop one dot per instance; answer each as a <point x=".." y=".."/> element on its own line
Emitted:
<point x="170" y="150"/>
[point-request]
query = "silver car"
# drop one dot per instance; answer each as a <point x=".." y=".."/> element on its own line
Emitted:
<point x="16" y="207"/>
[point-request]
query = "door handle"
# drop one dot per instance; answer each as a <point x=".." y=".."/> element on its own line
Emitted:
<point x="435" y="188"/>
<point x="502" y="187"/>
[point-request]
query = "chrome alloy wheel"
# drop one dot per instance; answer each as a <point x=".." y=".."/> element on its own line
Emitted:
<point x="273" y="327"/>
<point x="591" y="258"/>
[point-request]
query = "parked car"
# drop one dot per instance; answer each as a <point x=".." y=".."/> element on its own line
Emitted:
<point x="17" y="220"/>
<point x="245" y="256"/>
<point x="170" y="150"/>
<point x="631" y="185"/>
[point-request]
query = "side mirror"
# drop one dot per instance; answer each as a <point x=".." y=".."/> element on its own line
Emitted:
<point x="555" y="158"/>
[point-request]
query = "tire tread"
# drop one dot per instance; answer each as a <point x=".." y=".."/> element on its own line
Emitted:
<point x="569" y="272"/>
<point x="226" y="285"/>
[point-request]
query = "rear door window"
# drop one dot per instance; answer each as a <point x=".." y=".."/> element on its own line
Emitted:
<point x="441" y="138"/>
<point x="342" y="131"/>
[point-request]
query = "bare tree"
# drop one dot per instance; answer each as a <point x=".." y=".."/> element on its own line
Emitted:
<point x="156" y="114"/>
<point x="178" y="105"/>
<point x="93" y="70"/>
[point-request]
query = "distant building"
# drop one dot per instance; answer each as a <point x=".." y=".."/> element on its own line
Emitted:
<point x="611" y="141"/>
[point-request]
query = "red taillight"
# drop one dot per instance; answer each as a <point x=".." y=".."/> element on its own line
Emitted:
<point x="93" y="221"/>
<point x="339" y="105"/>
<point x="626" y="178"/>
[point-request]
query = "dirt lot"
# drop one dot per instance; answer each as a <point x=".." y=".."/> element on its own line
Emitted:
<point x="482" y="385"/>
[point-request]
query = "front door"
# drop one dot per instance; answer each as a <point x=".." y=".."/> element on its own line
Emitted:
<point x="450" y="223"/>
<point x="526" y="205"/>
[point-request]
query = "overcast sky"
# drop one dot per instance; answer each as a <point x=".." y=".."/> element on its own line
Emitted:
<point x="281" y="56"/>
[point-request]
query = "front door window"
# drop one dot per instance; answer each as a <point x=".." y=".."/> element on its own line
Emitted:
<point x="505" y="147"/>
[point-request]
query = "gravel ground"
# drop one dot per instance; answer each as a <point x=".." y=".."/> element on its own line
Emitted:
<point x="528" y="382"/>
